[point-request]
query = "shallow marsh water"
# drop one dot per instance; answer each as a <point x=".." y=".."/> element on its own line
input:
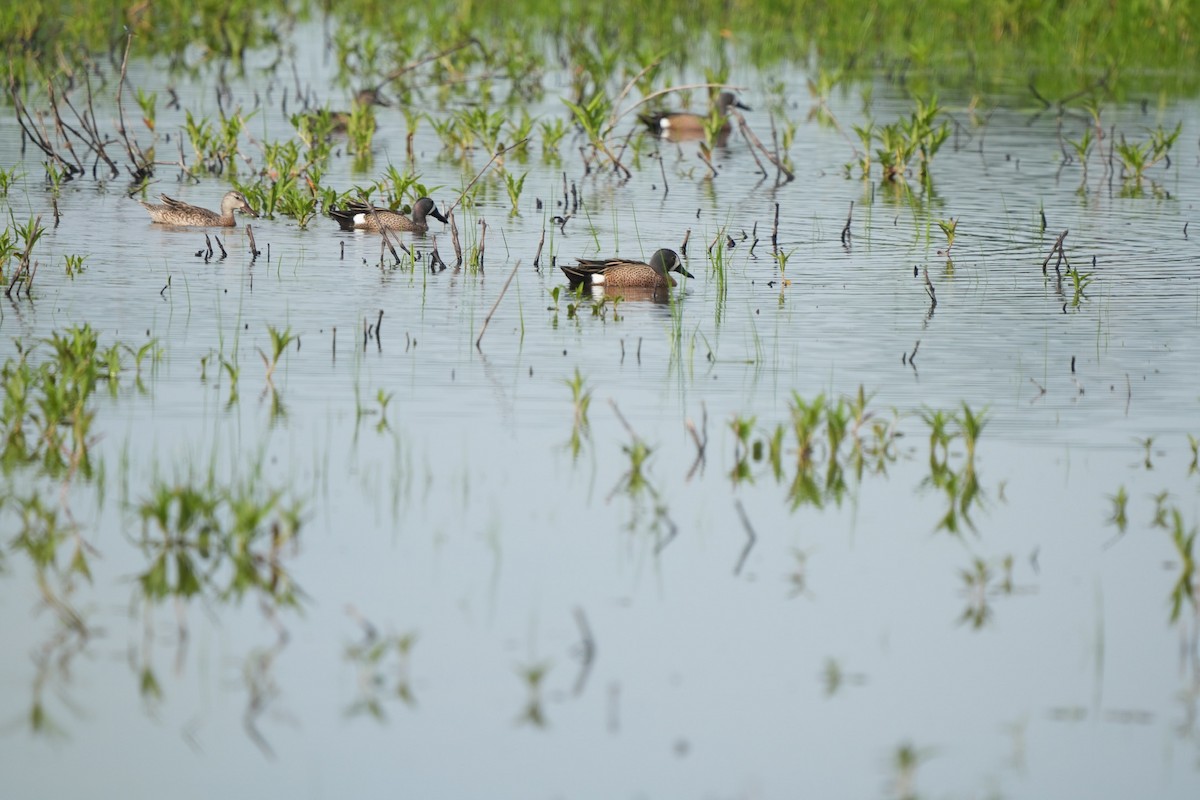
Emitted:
<point x="455" y="555"/>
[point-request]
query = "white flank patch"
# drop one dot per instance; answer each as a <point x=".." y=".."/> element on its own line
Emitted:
<point x="598" y="278"/>
<point x="359" y="219"/>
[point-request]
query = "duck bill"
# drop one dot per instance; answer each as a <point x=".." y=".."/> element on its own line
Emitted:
<point x="250" y="212"/>
<point x="685" y="272"/>
<point x="438" y="215"/>
<point x="741" y="105"/>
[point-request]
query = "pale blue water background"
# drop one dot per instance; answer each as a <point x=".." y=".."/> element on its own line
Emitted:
<point x="470" y="525"/>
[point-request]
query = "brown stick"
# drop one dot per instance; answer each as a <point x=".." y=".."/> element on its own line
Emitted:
<point x="60" y="127"/>
<point x="88" y="122"/>
<point x="95" y="129"/>
<point x="120" y="108"/>
<point x="930" y="291"/>
<point x="538" y="257"/>
<point x="41" y="142"/>
<point x="1058" y="243"/>
<point x="435" y="258"/>
<point x="754" y="141"/>
<point x="496" y="305"/>
<point x="458" y="259"/>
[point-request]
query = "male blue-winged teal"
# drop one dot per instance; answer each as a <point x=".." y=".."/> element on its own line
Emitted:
<point x="177" y="212"/>
<point x="626" y="274"/>
<point x="358" y="215"/>
<point x="680" y="125"/>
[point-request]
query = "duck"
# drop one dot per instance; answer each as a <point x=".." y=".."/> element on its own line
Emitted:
<point x="626" y="274"/>
<point x="682" y="125"/>
<point x="177" y="212"/>
<point x="360" y="216"/>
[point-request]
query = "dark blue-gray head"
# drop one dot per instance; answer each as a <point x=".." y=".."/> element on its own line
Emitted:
<point x="664" y="261"/>
<point x="727" y="99"/>
<point x="426" y="208"/>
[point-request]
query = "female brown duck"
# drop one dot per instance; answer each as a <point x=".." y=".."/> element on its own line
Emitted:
<point x="177" y="212"/>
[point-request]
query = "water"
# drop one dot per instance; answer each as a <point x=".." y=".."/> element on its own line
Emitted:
<point x="465" y="522"/>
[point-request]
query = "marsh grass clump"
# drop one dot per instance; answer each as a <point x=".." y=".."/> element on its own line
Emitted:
<point x="17" y="242"/>
<point x="383" y="664"/>
<point x="1119" y="515"/>
<point x="280" y="340"/>
<point x="533" y="676"/>
<point x="514" y="186"/>
<point x="47" y="407"/>
<point x="9" y="178"/>
<point x="981" y="582"/>
<point x="1079" y="282"/>
<point x="1137" y="157"/>
<point x="949" y="228"/>
<point x="581" y="401"/>
<point x="908" y="144"/>
<point x="744" y="448"/>
<point x="215" y="145"/>
<point x="43" y="533"/>
<point x="553" y="131"/>
<point x="74" y="264"/>
<point x="220" y="541"/>
<point x="960" y="485"/>
<point x="833" y="440"/>
<point x="1184" y="592"/>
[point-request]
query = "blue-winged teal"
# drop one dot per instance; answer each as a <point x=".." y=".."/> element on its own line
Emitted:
<point x="177" y="212"/>
<point x="625" y="274"/>
<point x="358" y="215"/>
<point x="680" y="125"/>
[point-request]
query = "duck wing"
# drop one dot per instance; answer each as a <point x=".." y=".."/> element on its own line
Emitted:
<point x="178" y="205"/>
<point x="583" y="271"/>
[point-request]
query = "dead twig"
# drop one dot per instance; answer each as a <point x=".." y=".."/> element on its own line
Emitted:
<point x="754" y="142"/>
<point x="458" y="258"/>
<point x="1057" y="246"/>
<point x="538" y="256"/>
<point x="496" y="305"/>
